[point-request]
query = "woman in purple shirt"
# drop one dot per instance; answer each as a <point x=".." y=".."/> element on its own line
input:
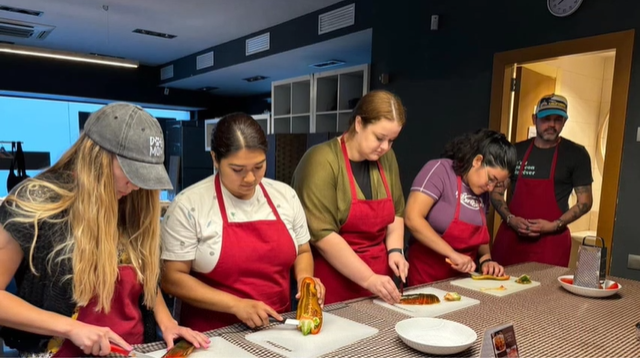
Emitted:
<point x="446" y="209"/>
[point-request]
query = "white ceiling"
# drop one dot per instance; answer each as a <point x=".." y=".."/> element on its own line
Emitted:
<point x="354" y="49"/>
<point x="83" y="26"/>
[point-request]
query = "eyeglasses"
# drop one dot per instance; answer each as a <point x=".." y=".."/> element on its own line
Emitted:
<point x="490" y="181"/>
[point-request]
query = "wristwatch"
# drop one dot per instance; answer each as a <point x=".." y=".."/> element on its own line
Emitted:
<point x="560" y="224"/>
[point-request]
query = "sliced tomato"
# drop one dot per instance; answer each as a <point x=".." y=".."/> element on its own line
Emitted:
<point x="567" y="280"/>
<point x="614" y="286"/>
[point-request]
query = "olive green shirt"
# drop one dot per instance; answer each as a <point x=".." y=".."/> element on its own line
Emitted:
<point x="322" y="184"/>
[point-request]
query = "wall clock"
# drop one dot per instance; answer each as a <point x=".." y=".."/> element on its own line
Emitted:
<point x="562" y="8"/>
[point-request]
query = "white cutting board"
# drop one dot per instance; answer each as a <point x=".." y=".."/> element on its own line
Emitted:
<point x="510" y="285"/>
<point x="434" y="310"/>
<point x="218" y="348"/>
<point x="336" y="333"/>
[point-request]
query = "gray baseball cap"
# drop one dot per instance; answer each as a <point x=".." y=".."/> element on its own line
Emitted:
<point x="136" y="138"/>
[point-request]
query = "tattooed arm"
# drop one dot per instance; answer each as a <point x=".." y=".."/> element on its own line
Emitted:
<point x="498" y="201"/>
<point x="582" y="206"/>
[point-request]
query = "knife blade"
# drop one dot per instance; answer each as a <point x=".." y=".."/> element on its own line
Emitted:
<point x="287" y="322"/>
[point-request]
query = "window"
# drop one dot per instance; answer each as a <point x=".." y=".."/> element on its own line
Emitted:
<point x="50" y="126"/>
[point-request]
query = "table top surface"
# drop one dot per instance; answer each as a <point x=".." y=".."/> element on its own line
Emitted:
<point x="548" y="321"/>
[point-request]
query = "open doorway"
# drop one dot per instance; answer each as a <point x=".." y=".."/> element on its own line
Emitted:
<point x="593" y="73"/>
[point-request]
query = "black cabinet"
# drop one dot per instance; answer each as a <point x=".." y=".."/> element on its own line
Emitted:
<point x="185" y="140"/>
<point x="286" y="150"/>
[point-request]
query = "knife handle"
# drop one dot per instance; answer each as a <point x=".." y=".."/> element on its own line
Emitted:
<point x="119" y="350"/>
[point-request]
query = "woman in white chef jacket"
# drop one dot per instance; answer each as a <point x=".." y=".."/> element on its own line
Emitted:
<point x="231" y="240"/>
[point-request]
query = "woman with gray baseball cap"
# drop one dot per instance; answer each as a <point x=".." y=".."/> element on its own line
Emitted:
<point x="82" y="240"/>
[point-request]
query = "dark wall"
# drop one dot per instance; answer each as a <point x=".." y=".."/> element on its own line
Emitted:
<point x="256" y="104"/>
<point x="66" y="78"/>
<point x="444" y="77"/>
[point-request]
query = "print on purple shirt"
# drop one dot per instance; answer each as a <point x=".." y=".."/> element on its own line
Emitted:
<point x="438" y="180"/>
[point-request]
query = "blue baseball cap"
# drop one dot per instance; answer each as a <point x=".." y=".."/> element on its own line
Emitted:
<point x="552" y="104"/>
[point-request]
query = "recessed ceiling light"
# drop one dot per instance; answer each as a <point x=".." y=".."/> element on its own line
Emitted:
<point x="255" y="78"/>
<point x="329" y="63"/>
<point x="154" y="33"/>
<point x="208" y="88"/>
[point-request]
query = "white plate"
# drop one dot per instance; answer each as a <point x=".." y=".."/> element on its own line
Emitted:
<point x="435" y="335"/>
<point x="588" y="292"/>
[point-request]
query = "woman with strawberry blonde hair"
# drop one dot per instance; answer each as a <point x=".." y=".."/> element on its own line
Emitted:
<point x="82" y="240"/>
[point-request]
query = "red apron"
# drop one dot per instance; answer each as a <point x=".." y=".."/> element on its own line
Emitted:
<point x="255" y="263"/>
<point x="124" y="318"/>
<point x="426" y="265"/>
<point x="365" y="230"/>
<point x="533" y="199"/>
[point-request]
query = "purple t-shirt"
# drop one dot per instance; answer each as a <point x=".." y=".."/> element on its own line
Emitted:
<point x="438" y="180"/>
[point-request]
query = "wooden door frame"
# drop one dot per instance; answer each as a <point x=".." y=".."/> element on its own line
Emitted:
<point x="622" y="43"/>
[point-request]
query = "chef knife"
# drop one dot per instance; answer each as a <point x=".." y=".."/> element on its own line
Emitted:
<point x="290" y="322"/>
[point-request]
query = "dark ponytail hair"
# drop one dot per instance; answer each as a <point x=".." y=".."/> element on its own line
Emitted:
<point x="496" y="151"/>
<point x="237" y="131"/>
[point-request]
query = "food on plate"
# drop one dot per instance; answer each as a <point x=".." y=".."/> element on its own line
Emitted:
<point x="501" y="288"/>
<point x="568" y="281"/>
<point x="524" y="280"/>
<point x="180" y="350"/>
<point x="452" y="296"/>
<point x="490" y="277"/>
<point x="309" y="311"/>
<point x="612" y="286"/>
<point x="419" y="299"/>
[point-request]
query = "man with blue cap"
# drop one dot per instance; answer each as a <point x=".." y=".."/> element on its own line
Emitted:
<point x="534" y="224"/>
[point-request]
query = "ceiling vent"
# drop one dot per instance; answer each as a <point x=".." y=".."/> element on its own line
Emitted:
<point x="258" y="44"/>
<point x="166" y="72"/>
<point x="17" y="10"/>
<point x="337" y="19"/>
<point x="204" y="60"/>
<point x="326" y="64"/>
<point x="24" y="30"/>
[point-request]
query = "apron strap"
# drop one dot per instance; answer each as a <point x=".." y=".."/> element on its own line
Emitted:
<point x="553" y="163"/>
<point x="223" y="208"/>
<point x="273" y="208"/>
<point x="481" y="208"/>
<point x="352" y="183"/>
<point x="456" y="216"/>
<point x="220" y="197"/>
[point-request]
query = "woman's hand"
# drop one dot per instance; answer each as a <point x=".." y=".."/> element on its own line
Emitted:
<point x="399" y="265"/>
<point x="173" y="331"/>
<point x="383" y="287"/>
<point x="254" y="313"/>
<point x="462" y="263"/>
<point x="319" y="287"/>
<point x="94" y="340"/>
<point x="492" y="268"/>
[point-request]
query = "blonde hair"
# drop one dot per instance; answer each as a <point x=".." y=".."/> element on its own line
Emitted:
<point x="377" y="105"/>
<point x="78" y="192"/>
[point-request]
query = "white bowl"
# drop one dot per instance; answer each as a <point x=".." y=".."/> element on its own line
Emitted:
<point x="435" y="335"/>
<point x="588" y="292"/>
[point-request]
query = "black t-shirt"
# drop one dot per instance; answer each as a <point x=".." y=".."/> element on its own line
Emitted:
<point x="362" y="176"/>
<point x="573" y="167"/>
